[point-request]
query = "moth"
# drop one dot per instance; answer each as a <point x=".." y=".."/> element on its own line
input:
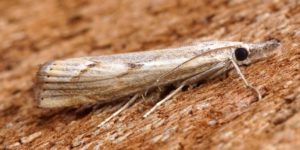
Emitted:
<point x="104" y="79"/>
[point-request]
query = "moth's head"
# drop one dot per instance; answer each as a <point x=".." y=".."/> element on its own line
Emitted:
<point x="249" y="53"/>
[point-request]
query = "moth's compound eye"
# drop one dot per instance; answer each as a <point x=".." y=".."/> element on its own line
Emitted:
<point x="241" y="54"/>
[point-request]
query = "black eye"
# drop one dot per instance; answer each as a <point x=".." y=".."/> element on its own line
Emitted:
<point x="241" y="54"/>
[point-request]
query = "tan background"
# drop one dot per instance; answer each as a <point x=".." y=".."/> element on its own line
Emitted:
<point x="220" y="114"/>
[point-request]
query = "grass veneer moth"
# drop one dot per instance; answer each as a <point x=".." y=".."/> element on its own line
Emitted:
<point x="104" y="79"/>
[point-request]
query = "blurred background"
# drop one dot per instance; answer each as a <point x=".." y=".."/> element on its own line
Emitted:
<point x="217" y="115"/>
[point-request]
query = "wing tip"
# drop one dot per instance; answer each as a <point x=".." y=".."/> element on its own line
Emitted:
<point x="39" y="81"/>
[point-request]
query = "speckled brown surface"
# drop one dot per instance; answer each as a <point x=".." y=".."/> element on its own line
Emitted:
<point x="220" y="114"/>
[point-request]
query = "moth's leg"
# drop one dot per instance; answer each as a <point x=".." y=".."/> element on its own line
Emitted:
<point x="244" y="79"/>
<point x="164" y="100"/>
<point x="130" y="102"/>
<point x="188" y="81"/>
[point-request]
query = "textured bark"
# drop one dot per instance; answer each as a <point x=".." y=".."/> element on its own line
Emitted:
<point x="219" y="114"/>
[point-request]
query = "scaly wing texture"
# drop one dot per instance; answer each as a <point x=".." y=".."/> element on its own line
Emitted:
<point x="90" y="79"/>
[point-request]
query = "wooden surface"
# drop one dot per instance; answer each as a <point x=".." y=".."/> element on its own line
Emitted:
<point x="219" y="114"/>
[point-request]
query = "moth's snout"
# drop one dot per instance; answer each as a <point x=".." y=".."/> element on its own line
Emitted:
<point x="263" y="50"/>
<point x="272" y="44"/>
<point x="267" y="47"/>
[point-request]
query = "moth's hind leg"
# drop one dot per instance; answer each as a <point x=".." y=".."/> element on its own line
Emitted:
<point x="164" y="100"/>
<point x="213" y="72"/>
<point x="178" y="89"/>
<point x="130" y="102"/>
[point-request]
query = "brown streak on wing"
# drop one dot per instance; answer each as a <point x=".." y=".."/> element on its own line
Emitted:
<point x="131" y="68"/>
<point x="88" y="67"/>
<point x="134" y="65"/>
